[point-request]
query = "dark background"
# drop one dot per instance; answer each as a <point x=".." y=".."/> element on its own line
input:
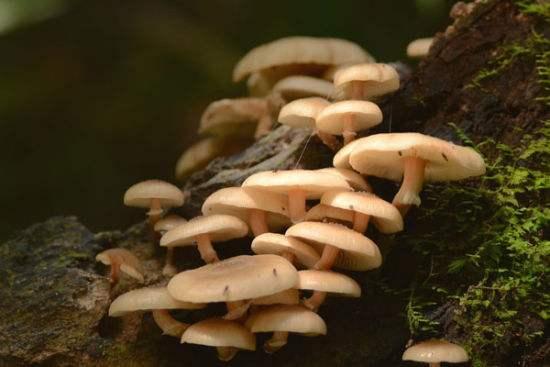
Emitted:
<point x="97" y="95"/>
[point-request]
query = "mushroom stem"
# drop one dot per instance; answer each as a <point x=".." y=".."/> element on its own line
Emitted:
<point x="208" y="254"/>
<point x="348" y="132"/>
<point x="169" y="267"/>
<point x="328" y="257"/>
<point x="236" y="310"/>
<point x="297" y="205"/>
<point x="288" y="256"/>
<point x="413" y="179"/>
<point x="168" y="324"/>
<point x="277" y="341"/>
<point x="115" y="270"/>
<point x="316" y="300"/>
<point x="329" y="140"/>
<point x="356" y="91"/>
<point x="360" y="222"/>
<point x="258" y="222"/>
<point x="155" y="212"/>
<point x="226" y="353"/>
<point x="264" y="126"/>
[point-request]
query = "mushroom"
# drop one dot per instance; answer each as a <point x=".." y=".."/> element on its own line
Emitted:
<point x="419" y="48"/>
<point x="289" y="296"/>
<point x="157" y="300"/>
<point x="299" y="185"/>
<point x="156" y="195"/>
<point x="290" y="248"/>
<point x="415" y="158"/>
<point x="347" y="117"/>
<point x="282" y="320"/>
<point x="365" y="81"/>
<point x="436" y="351"/>
<point x="323" y="213"/>
<point x="302" y="113"/>
<point x="121" y="260"/>
<point x="261" y="209"/>
<point x="202" y="231"/>
<point x="341" y="158"/>
<point x="354" y="179"/>
<point x="323" y="282"/>
<point x="162" y="226"/>
<point x="227" y="336"/>
<point x="301" y="86"/>
<point x="365" y="206"/>
<point x="340" y="246"/>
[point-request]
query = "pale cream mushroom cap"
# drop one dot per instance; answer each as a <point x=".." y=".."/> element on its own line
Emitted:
<point x="420" y="47"/>
<point x="218" y="227"/>
<point x="357" y="251"/>
<point x="384" y="215"/>
<point x="149" y="298"/>
<point x="237" y="278"/>
<point x="381" y="155"/>
<point x="299" y="50"/>
<point x="372" y="79"/>
<point x="436" y="351"/>
<point x="354" y="179"/>
<point x="341" y="158"/>
<point x="231" y="117"/>
<point x="219" y="333"/>
<point x="141" y="194"/>
<point x="129" y="263"/>
<point x="320" y="211"/>
<point x="169" y="222"/>
<point x="287" y="297"/>
<point x="302" y="112"/>
<point x="329" y="282"/>
<point x="237" y="201"/>
<point x="301" y="86"/>
<point x="314" y="183"/>
<point x="273" y="243"/>
<point x="365" y="115"/>
<point x="287" y="318"/>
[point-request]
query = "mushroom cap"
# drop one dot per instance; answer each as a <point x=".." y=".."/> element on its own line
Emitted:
<point x="219" y="333"/>
<point x="381" y="155"/>
<point x="289" y="296"/>
<point x="373" y="79"/>
<point x="302" y="112"/>
<point x="436" y="351"/>
<point x="287" y="318"/>
<point x="420" y="47"/>
<point x="384" y="215"/>
<point x="357" y="251"/>
<point x="149" y="298"/>
<point x="314" y="183"/>
<point x="365" y="115"/>
<point x="141" y="194"/>
<point x="218" y="227"/>
<point x="299" y="50"/>
<point x="354" y="179"/>
<point x="238" y="201"/>
<point x="237" y="278"/>
<point x="329" y="282"/>
<point x="167" y="223"/>
<point x="236" y="116"/>
<point x="341" y="158"/>
<point x="301" y="86"/>
<point x="321" y="211"/>
<point x="129" y="263"/>
<point x="273" y="243"/>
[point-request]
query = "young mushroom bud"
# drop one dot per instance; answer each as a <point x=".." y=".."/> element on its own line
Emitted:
<point x="121" y="260"/>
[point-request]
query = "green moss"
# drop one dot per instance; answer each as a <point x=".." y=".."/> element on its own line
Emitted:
<point x="537" y="8"/>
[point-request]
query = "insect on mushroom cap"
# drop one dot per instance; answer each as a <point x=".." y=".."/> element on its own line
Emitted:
<point x="302" y="112"/>
<point x="436" y="351"/>
<point x="365" y="115"/>
<point x="219" y="333"/>
<point x="141" y="194"/>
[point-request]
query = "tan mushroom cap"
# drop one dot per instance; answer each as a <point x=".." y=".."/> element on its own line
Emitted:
<point x="237" y="201"/>
<point x="384" y="215"/>
<point x="218" y="227"/>
<point x="231" y="117"/>
<point x="381" y="155"/>
<point x="329" y="282"/>
<point x="341" y="158"/>
<point x="219" y="333"/>
<point x="365" y="115"/>
<point x="301" y="86"/>
<point x="320" y="211"/>
<point x="299" y="50"/>
<point x="169" y="222"/>
<point x="238" y="278"/>
<point x="302" y="112"/>
<point x="128" y="262"/>
<point x="314" y="183"/>
<point x="370" y="79"/>
<point x="287" y="297"/>
<point x="287" y="318"/>
<point x="420" y="47"/>
<point x="273" y="243"/>
<point x="141" y="194"/>
<point x="149" y="298"/>
<point x="436" y="351"/>
<point x="354" y="179"/>
<point x="357" y="251"/>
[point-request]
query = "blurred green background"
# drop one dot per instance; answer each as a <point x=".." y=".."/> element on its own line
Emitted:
<point x="97" y="95"/>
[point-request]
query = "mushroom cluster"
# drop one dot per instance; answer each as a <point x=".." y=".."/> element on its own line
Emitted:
<point x="297" y="248"/>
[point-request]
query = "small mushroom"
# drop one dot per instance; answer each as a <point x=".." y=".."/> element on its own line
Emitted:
<point x="301" y="86"/>
<point x="156" y="195"/>
<point x="323" y="283"/>
<point x="162" y="226"/>
<point x="282" y="320"/>
<point x="121" y="260"/>
<point x="228" y="337"/>
<point x="290" y="248"/>
<point x="202" y="231"/>
<point x="436" y="351"/>
<point x="419" y="48"/>
<point x="365" y="81"/>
